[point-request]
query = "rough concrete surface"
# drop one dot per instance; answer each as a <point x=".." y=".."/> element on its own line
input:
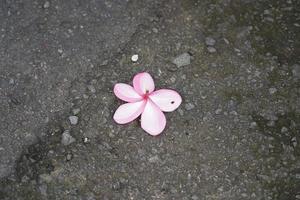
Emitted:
<point x="235" y="136"/>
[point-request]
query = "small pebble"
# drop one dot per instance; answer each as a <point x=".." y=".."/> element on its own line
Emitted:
<point x="253" y="124"/>
<point x="172" y="68"/>
<point x="50" y="152"/>
<point x="86" y="140"/>
<point x="73" y="120"/>
<point x="153" y="159"/>
<point x="271" y="123"/>
<point x="214" y="65"/>
<point x="180" y="112"/>
<point x="11" y="81"/>
<point x="116" y="186"/>
<point x="45" y="178"/>
<point x="105" y="62"/>
<point x="66" y="138"/>
<point x="218" y="111"/>
<point x="189" y="106"/>
<point x="155" y="30"/>
<point x="284" y="129"/>
<point x="76" y="111"/>
<point x="91" y="88"/>
<point x="182" y="60"/>
<point x="211" y="50"/>
<point x="111" y="135"/>
<point x="174" y="190"/>
<point x="296" y="70"/>
<point x="46" y="5"/>
<point x="173" y="79"/>
<point x="272" y="90"/>
<point x="69" y="157"/>
<point x="210" y="41"/>
<point x="135" y="58"/>
<point x="226" y="41"/>
<point x="244" y="195"/>
<point x="294" y="141"/>
<point x="269" y="19"/>
<point x="233" y="112"/>
<point x="237" y="50"/>
<point x="194" y="197"/>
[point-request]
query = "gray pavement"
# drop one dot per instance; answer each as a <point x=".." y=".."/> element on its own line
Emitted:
<point x="235" y="63"/>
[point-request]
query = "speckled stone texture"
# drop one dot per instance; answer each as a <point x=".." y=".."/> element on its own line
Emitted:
<point x="236" y="135"/>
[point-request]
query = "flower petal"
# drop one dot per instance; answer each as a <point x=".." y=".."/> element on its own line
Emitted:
<point x="128" y="112"/>
<point x="167" y="100"/>
<point x="153" y="119"/>
<point x="126" y="93"/>
<point x="143" y="83"/>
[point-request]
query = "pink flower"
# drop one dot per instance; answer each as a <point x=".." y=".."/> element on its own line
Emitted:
<point x="143" y="100"/>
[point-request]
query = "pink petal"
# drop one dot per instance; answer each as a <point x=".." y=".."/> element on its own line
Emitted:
<point x="128" y="112"/>
<point x="126" y="93"/>
<point x="143" y="83"/>
<point x="153" y="119"/>
<point x="167" y="100"/>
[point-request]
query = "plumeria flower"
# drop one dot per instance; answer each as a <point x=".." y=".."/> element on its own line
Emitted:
<point x="143" y="100"/>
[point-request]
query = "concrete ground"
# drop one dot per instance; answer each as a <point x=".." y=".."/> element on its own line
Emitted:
<point x="235" y="136"/>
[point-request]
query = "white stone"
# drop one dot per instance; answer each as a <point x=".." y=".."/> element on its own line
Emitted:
<point x="134" y="58"/>
<point x="73" y="120"/>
